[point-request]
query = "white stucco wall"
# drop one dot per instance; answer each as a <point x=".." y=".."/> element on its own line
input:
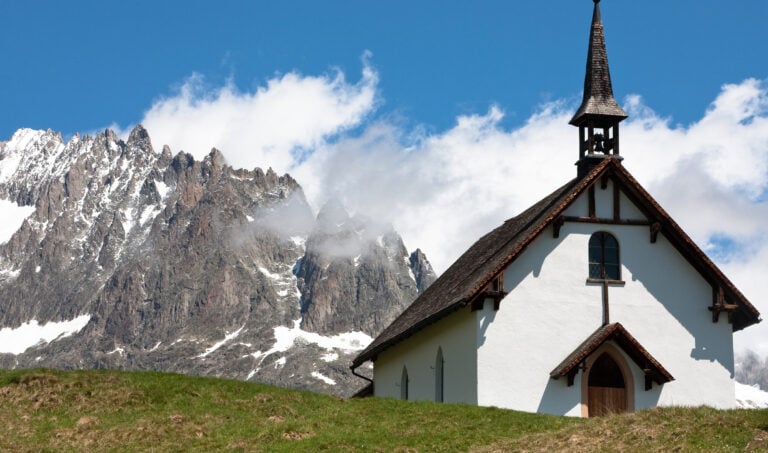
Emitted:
<point x="664" y="306"/>
<point x="603" y="201"/>
<point x="456" y="336"/>
<point x="550" y="310"/>
<point x="629" y="210"/>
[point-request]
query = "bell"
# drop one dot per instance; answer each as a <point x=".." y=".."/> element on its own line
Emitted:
<point x="599" y="143"/>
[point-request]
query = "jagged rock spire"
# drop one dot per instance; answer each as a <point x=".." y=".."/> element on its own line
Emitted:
<point x="599" y="115"/>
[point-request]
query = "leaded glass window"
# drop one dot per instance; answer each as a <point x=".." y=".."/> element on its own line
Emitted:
<point x="604" y="257"/>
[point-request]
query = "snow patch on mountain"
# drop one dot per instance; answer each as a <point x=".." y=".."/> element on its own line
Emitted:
<point x="286" y="337"/>
<point x="9" y="273"/>
<point x="285" y="283"/>
<point x="750" y="397"/>
<point x="323" y="378"/>
<point x="13" y="216"/>
<point x="330" y="357"/>
<point x="11" y="154"/>
<point x="18" y="340"/>
<point x="227" y="338"/>
<point x="150" y="212"/>
<point x="8" y="166"/>
<point x="269" y="274"/>
<point x="162" y="189"/>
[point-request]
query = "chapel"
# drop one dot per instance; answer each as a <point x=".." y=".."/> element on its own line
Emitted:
<point x="591" y="301"/>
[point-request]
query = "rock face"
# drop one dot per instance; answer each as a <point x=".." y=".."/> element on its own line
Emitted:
<point x="190" y="266"/>
<point x="354" y="272"/>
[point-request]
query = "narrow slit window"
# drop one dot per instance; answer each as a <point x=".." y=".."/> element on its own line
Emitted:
<point x="404" y="384"/>
<point x="439" y="375"/>
<point x="604" y="257"/>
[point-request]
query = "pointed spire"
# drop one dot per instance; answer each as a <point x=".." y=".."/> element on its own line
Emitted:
<point x="599" y="115"/>
<point x="598" y="91"/>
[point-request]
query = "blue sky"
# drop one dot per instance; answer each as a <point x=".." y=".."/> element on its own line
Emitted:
<point x="441" y="117"/>
<point x="83" y="65"/>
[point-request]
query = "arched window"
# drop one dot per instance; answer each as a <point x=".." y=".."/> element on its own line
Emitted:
<point x="404" y="384"/>
<point x="604" y="257"/>
<point x="439" y="375"/>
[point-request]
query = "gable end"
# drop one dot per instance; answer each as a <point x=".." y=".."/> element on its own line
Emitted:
<point x="487" y="258"/>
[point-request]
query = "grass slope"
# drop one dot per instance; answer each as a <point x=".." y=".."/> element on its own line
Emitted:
<point x="44" y="410"/>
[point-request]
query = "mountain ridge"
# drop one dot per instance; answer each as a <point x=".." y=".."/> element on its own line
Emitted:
<point x="168" y="254"/>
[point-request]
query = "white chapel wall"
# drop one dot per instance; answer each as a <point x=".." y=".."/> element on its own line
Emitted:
<point x="679" y="328"/>
<point x="548" y="312"/>
<point x="603" y="201"/>
<point x="455" y="334"/>
<point x="551" y="310"/>
<point x="604" y="205"/>
<point x="629" y="210"/>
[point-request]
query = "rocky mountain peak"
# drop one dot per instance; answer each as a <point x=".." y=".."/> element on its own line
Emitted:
<point x="170" y="263"/>
<point x="423" y="272"/>
<point x="165" y="157"/>
<point x="356" y="271"/>
<point x="332" y="216"/>
<point x="139" y="137"/>
<point x="216" y="159"/>
<point x="109" y="135"/>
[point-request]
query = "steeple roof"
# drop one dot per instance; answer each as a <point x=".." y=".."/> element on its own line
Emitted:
<point x="598" y="92"/>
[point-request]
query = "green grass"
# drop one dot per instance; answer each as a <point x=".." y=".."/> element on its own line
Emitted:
<point x="45" y="410"/>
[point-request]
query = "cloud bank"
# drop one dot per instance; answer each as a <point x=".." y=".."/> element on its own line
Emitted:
<point x="443" y="190"/>
<point x="273" y="126"/>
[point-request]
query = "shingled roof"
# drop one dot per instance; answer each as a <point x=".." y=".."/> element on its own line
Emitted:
<point x="492" y="253"/>
<point x="618" y="334"/>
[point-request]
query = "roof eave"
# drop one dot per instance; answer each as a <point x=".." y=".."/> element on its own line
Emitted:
<point x="747" y="313"/>
<point x="542" y="225"/>
<point x="618" y="334"/>
<point x="371" y="353"/>
<point x="599" y="112"/>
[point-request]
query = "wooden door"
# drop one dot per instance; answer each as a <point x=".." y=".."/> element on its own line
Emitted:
<point x="607" y="391"/>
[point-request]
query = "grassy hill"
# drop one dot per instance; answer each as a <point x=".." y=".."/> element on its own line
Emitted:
<point x="120" y="411"/>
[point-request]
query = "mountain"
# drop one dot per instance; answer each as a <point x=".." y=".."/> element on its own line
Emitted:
<point x="129" y="258"/>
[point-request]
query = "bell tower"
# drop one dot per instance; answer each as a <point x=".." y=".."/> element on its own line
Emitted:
<point x="599" y="115"/>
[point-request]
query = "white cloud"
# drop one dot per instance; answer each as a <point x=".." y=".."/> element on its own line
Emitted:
<point x="442" y="191"/>
<point x="271" y="127"/>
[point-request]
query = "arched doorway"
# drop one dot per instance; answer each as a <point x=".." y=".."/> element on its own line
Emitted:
<point x="607" y="388"/>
